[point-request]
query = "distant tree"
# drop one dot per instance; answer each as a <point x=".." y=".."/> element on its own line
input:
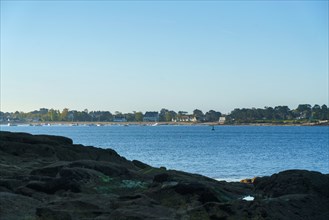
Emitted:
<point x="212" y="116"/>
<point x="304" y="111"/>
<point x="43" y="111"/>
<point x="65" y="114"/>
<point x="324" y="112"/>
<point x="162" y="114"/>
<point x="129" y="117"/>
<point x="106" y="116"/>
<point x="282" y="112"/>
<point x="139" y="116"/>
<point x="268" y="113"/>
<point x="198" y="114"/>
<point x="316" y="112"/>
<point x="173" y="115"/>
<point x="82" y="116"/>
<point x="118" y="114"/>
<point x="53" y="115"/>
<point x="182" y="112"/>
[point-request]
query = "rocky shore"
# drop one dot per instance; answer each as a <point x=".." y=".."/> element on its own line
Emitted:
<point x="49" y="178"/>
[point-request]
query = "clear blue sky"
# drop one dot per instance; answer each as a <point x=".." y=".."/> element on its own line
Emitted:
<point x="138" y="56"/>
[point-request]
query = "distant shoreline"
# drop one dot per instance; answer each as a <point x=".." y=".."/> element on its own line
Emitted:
<point x="82" y="123"/>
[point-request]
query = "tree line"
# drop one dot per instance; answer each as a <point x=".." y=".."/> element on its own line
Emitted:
<point x="303" y="113"/>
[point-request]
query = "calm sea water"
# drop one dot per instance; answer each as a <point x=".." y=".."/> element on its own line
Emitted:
<point x="229" y="152"/>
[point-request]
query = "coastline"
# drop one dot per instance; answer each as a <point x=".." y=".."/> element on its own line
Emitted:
<point x="87" y="123"/>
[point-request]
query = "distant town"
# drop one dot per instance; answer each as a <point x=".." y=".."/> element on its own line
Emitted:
<point x="303" y="114"/>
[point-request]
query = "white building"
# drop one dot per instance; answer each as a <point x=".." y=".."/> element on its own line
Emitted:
<point x="222" y="120"/>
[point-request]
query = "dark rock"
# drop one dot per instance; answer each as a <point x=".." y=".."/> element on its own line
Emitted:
<point x="34" y="139"/>
<point x="10" y="184"/>
<point x="141" y="207"/>
<point x="50" y="171"/>
<point x="15" y="206"/>
<point x="107" y="168"/>
<point x="140" y="164"/>
<point x="46" y="213"/>
<point x="55" y="185"/>
<point x="70" y="209"/>
<point x="38" y="186"/>
<point x="49" y="177"/>
<point x="293" y="182"/>
<point x="78" y="174"/>
<point x="204" y="192"/>
<point x="162" y="177"/>
<point x="57" y="148"/>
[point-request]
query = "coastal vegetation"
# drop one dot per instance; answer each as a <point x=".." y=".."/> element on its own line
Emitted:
<point x="304" y="113"/>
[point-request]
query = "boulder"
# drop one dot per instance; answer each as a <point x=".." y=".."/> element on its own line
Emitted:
<point x="293" y="182"/>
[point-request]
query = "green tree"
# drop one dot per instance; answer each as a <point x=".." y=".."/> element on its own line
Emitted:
<point x="282" y="112"/>
<point x="324" y="112"/>
<point x="198" y="114"/>
<point x="269" y="113"/>
<point x="212" y="116"/>
<point x="106" y="116"/>
<point x="316" y="112"/>
<point x="304" y="111"/>
<point x="139" y="116"/>
<point x="130" y="117"/>
<point x="168" y="116"/>
<point x="162" y="114"/>
<point x="65" y="114"/>
<point x="53" y="115"/>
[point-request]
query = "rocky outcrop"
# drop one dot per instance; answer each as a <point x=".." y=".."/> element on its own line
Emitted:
<point x="49" y="177"/>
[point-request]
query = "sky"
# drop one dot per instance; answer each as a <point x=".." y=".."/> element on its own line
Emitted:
<point x="148" y="55"/>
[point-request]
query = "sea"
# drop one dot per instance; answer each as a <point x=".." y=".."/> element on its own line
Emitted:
<point x="229" y="153"/>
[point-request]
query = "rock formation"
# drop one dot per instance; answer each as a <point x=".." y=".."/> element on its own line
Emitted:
<point x="49" y="178"/>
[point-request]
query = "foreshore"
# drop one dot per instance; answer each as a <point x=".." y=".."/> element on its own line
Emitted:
<point x="48" y="177"/>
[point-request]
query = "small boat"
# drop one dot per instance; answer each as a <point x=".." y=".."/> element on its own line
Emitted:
<point x="10" y="124"/>
<point x="156" y="124"/>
